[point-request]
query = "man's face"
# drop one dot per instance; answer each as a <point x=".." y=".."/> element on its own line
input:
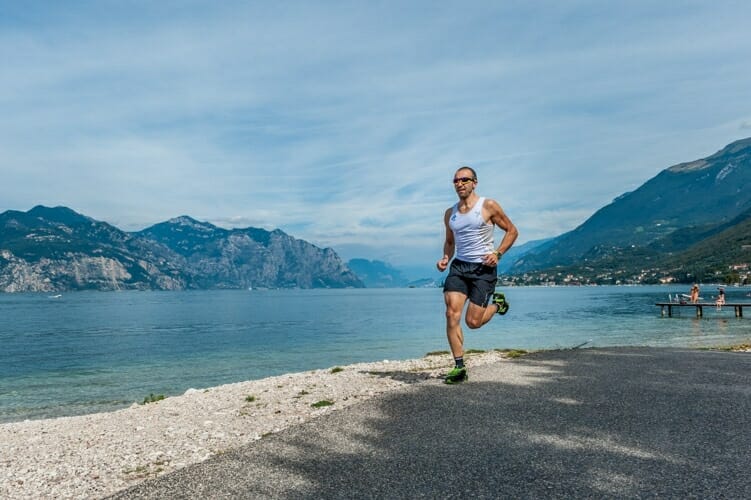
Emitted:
<point x="464" y="183"/>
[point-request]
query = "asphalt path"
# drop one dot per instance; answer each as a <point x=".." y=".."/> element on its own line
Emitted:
<point x="588" y="423"/>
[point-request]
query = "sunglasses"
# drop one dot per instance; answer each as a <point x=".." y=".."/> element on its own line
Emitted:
<point x="463" y="180"/>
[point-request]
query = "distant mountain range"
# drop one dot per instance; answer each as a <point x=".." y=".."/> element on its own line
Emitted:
<point x="691" y="220"/>
<point x="56" y="249"/>
<point x="379" y="274"/>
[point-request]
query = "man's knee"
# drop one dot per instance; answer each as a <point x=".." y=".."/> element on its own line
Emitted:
<point x="473" y="322"/>
<point x="475" y="316"/>
<point x="453" y="315"/>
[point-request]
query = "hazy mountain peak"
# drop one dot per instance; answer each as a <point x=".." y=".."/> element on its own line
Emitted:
<point x="377" y="274"/>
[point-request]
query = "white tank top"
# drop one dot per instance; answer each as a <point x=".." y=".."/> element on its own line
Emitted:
<point x="473" y="237"/>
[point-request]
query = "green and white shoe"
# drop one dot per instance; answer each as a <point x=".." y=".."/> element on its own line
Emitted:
<point x="456" y="375"/>
<point x="500" y="299"/>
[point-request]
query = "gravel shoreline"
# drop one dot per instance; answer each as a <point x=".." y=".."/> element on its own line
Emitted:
<point x="92" y="456"/>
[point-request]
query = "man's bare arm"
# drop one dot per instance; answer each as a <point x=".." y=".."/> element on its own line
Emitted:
<point x="497" y="216"/>
<point x="448" y="244"/>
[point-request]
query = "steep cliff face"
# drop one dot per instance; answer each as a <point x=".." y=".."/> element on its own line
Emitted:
<point x="76" y="271"/>
<point x="57" y="249"/>
<point x="250" y="257"/>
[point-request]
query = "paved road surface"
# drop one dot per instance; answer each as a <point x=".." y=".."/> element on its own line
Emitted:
<point x="590" y="423"/>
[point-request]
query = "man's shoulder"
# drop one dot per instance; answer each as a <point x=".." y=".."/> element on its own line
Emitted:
<point x="490" y="203"/>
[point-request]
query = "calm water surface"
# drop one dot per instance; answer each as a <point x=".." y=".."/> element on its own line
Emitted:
<point x="96" y="351"/>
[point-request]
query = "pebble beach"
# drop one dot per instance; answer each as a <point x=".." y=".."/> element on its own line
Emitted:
<point x="96" y="455"/>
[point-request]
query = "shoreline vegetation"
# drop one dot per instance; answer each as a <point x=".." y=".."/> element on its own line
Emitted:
<point x="96" y="455"/>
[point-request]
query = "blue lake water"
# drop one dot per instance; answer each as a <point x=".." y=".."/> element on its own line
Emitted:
<point x="97" y="351"/>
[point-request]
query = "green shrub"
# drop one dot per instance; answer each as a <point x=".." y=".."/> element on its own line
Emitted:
<point x="321" y="404"/>
<point x="152" y="398"/>
<point x="437" y="353"/>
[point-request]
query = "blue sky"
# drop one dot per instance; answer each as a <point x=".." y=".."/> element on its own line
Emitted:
<point x="342" y="123"/>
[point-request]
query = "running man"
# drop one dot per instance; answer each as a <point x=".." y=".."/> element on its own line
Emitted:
<point x="473" y="274"/>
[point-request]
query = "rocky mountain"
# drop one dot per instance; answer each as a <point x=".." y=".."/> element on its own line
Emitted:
<point x="671" y="212"/>
<point x="719" y="255"/>
<point x="56" y="249"/>
<point x="250" y="257"/>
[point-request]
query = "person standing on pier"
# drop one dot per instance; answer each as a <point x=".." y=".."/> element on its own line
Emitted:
<point x="469" y="225"/>
<point x="694" y="294"/>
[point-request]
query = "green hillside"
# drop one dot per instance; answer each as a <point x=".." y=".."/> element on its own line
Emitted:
<point x="678" y="207"/>
<point x="723" y="255"/>
<point x="714" y="257"/>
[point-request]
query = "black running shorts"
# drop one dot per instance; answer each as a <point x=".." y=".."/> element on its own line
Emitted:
<point x="475" y="280"/>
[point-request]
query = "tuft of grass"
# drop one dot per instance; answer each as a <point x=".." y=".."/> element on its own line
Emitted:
<point x="337" y="369"/>
<point x="152" y="398"/>
<point x="322" y="403"/>
<point x="513" y="353"/>
<point x="738" y="347"/>
<point x="474" y="351"/>
<point x="141" y="469"/>
<point x="437" y="353"/>
<point x="250" y="398"/>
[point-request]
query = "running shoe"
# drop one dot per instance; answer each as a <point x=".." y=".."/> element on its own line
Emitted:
<point x="500" y="299"/>
<point x="456" y="375"/>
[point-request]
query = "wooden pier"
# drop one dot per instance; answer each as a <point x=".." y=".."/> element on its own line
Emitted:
<point x="737" y="307"/>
